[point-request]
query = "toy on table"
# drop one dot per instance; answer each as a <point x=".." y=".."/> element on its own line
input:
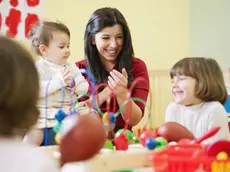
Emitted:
<point x="123" y="137"/>
<point x="207" y="135"/>
<point x="128" y="134"/>
<point x="217" y="147"/>
<point x="167" y="132"/>
<point x="108" y="145"/>
<point x="211" y="149"/>
<point x="191" y="156"/>
<point x="81" y="136"/>
<point x="150" y="140"/>
<point x="173" y="131"/>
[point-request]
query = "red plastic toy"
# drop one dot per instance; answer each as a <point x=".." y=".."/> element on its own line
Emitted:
<point x="191" y="156"/>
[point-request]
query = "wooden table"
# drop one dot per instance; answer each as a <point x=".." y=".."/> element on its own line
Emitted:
<point x="136" y="157"/>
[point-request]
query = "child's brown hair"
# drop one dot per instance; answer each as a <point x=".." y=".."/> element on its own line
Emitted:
<point x="41" y="33"/>
<point x="19" y="89"/>
<point x="208" y="74"/>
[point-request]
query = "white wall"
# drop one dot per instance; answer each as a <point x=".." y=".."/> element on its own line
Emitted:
<point x="210" y="29"/>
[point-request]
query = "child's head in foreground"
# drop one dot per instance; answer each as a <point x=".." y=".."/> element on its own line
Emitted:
<point x="51" y="40"/>
<point x="18" y="89"/>
<point x="196" y="80"/>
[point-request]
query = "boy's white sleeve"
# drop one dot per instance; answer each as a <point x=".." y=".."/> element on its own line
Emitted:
<point x="81" y="83"/>
<point x="49" y="86"/>
<point x="170" y="113"/>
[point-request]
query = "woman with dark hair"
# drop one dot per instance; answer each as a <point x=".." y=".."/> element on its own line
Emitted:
<point x="109" y="56"/>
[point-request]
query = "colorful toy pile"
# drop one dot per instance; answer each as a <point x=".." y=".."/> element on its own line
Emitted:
<point x="81" y="136"/>
<point x="192" y="156"/>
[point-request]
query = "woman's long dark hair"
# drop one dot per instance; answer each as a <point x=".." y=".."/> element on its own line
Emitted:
<point x="101" y="18"/>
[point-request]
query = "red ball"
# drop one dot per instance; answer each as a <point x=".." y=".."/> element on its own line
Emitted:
<point x="82" y="137"/>
<point x="173" y="131"/>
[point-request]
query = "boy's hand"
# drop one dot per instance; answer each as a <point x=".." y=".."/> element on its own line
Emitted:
<point x="82" y="108"/>
<point x="68" y="78"/>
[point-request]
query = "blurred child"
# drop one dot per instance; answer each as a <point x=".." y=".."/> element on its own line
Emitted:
<point x="51" y="40"/>
<point x="19" y="91"/>
<point x="199" y="94"/>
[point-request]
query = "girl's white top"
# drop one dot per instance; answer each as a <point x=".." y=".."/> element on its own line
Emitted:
<point x="200" y="118"/>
